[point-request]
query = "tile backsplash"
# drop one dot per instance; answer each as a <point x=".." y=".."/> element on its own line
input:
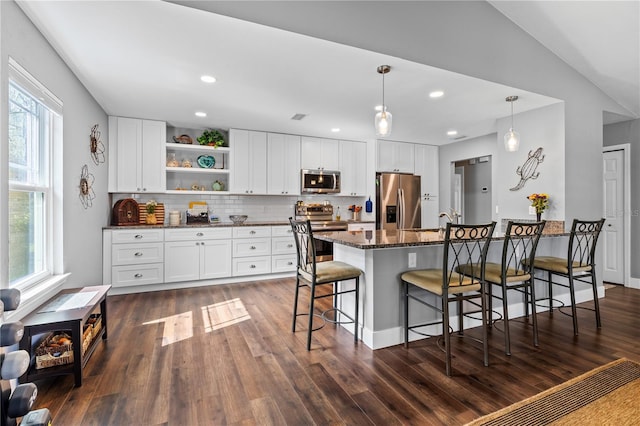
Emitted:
<point x="257" y="207"/>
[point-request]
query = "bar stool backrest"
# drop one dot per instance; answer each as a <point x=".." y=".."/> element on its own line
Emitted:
<point x="520" y="243"/>
<point x="582" y="243"/>
<point x="465" y="245"/>
<point x="303" y="236"/>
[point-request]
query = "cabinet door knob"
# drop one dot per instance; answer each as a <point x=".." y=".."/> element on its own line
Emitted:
<point x="252" y="266"/>
<point x="138" y="254"/>
<point x="138" y="236"/>
<point x="252" y="232"/>
<point x="289" y="263"/>
<point x="199" y="234"/>
<point x="289" y="245"/>
<point x="253" y="247"/>
<point x="137" y="276"/>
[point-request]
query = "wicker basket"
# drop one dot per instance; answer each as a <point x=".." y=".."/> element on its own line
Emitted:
<point x="87" y="335"/>
<point x="51" y="354"/>
<point x="91" y="331"/>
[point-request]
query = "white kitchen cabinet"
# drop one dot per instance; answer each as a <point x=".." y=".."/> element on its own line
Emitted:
<point x="283" y="250"/>
<point x="133" y="257"/>
<point x="251" y="250"/>
<point x="197" y="254"/>
<point x="283" y="164"/>
<point x="320" y="154"/>
<point x="395" y="157"/>
<point x="427" y="167"/>
<point x="248" y="162"/>
<point x="136" y="155"/>
<point x="353" y="168"/>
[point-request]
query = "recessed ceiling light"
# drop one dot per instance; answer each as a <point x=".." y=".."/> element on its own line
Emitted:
<point x="201" y="114"/>
<point x="436" y="94"/>
<point x="208" y="79"/>
<point x="452" y="132"/>
<point x="335" y="130"/>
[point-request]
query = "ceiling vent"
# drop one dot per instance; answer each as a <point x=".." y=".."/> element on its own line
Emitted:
<point x="298" y="117"/>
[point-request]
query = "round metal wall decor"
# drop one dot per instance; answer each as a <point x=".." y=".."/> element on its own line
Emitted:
<point x="96" y="146"/>
<point x="86" y="188"/>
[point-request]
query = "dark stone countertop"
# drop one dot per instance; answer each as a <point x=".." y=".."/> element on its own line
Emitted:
<point x="382" y="239"/>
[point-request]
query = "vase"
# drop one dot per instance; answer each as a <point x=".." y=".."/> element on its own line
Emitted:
<point x="151" y="219"/>
<point x="538" y="216"/>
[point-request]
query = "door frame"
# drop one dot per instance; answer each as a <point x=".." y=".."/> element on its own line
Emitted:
<point x="626" y="158"/>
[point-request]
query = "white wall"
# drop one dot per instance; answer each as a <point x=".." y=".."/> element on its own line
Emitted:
<point x="543" y="127"/>
<point x="82" y="228"/>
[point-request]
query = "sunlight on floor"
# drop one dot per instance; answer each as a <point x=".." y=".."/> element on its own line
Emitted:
<point x="176" y="328"/>
<point x="223" y="314"/>
<point x="219" y="315"/>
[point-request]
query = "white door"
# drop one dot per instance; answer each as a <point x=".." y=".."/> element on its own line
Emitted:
<point x="613" y="232"/>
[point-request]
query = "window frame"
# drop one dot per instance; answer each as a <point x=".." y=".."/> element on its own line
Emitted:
<point x="51" y="185"/>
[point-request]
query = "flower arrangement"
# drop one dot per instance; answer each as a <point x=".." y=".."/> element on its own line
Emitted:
<point x="539" y="201"/>
<point x="354" y="208"/>
<point x="151" y="206"/>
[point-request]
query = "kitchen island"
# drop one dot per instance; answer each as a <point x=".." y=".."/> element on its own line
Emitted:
<point x="384" y="255"/>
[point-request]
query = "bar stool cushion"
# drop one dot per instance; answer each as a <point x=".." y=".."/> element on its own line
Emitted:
<point x="331" y="271"/>
<point x="493" y="273"/>
<point x="431" y="280"/>
<point x="558" y="264"/>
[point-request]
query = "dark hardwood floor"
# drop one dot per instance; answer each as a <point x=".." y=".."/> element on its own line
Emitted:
<point x="257" y="372"/>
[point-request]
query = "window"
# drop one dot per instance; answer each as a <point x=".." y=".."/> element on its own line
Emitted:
<point x="33" y="128"/>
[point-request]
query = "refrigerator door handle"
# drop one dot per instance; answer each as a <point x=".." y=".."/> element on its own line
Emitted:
<point x="401" y="208"/>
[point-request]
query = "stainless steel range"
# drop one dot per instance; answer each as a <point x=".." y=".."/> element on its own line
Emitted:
<point x="321" y="217"/>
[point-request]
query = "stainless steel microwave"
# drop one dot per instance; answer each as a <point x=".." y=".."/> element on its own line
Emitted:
<point x="320" y="181"/>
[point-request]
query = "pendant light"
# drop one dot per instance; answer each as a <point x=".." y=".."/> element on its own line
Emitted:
<point x="383" y="118"/>
<point x="511" y="138"/>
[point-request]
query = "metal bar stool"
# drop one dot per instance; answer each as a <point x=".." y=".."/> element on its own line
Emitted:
<point x="513" y="273"/>
<point x="579" y="265"/>
<point x="313" y="274"/>
<point x="463" y="245"/>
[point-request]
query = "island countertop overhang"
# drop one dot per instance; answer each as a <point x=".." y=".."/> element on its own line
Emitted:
<point x="384" y="239"/>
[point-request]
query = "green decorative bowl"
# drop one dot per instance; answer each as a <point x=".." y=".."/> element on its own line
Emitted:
<point x="206" y="161"/>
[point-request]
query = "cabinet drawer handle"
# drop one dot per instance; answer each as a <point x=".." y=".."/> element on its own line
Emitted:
<point x="199" y="234"/>
<point x="289" y="245"/>
<point x="138" y="236"/>
<point x="252" y="232"/>
<point x="253" y="247"/>
<point x="252" y="266"/>
<point x="137" y="276"/>
<point x="138" y="254"/>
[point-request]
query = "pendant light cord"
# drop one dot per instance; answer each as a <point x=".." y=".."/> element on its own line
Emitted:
<point x="383" y="105"/>
<point x="512" y="115"/>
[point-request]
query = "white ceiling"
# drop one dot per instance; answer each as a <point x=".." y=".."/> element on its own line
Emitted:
<point x="152" y="70"/>
<point x="600" y="39"/>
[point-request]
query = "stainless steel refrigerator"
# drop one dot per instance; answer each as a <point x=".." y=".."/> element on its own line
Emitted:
<point x="397" y="201"/>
